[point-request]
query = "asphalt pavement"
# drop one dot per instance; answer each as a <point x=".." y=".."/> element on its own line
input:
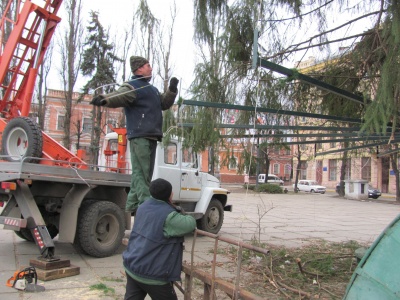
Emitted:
<point x="292" y="220"/>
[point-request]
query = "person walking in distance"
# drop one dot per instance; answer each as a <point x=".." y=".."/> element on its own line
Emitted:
<point x="143" y="105"/>
<point x="153" y="258"/>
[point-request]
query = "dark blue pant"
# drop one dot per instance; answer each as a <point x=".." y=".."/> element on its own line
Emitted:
<point x="136" y="290"/>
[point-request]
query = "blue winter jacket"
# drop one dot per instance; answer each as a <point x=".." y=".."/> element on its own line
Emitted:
<point x="149" y="254"/>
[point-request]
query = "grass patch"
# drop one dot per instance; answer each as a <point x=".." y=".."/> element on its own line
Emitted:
<point x="102" y="287"/>
<point x="111" y="279"/>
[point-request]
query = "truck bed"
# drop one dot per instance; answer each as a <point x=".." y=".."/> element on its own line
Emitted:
<point x="10" y="171"/>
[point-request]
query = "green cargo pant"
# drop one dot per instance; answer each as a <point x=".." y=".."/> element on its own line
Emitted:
<point x="143" y="154"/>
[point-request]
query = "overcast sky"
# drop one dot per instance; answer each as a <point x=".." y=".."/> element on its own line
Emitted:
<point x="118" y="13"/>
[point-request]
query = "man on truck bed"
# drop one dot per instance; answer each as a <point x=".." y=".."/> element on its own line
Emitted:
<point x="143" y="106"/>
<point x="153" y="258"/>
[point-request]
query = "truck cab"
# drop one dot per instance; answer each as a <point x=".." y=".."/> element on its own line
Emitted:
<point x="198" y="193"/>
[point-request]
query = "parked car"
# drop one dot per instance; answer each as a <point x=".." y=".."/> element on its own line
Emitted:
<point x="271" y="178"/>
<point x="310" y="186"/>
<point x="372" y="192"/>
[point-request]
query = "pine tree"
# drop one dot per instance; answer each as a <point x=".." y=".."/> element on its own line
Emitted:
<point x="98" y="63"/>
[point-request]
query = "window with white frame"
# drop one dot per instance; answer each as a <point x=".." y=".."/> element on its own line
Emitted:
<point x="288" y="168"/>
<point x="113" y="123"/>
<point x="86" y="125"/>
<point x="332" y="169"/>
<point x="60" y="122"/>
<point x="275" y="169"/>
<point x="366" y="168"/>
<point x="232" y="162"/>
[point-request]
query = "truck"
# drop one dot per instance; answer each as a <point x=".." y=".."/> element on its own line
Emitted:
<point x="48" y="191"/>
<point x="270" y="178"/>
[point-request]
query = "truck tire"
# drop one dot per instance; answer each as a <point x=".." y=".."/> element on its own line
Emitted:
<point x="22" y="138"/>
<point x="213" y="218"/>
<point x="101" y="227"/>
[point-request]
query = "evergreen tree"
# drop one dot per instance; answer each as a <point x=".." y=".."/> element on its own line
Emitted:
<point x="98" y="63"/>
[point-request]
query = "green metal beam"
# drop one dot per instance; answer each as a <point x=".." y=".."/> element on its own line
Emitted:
<point x="277" y="127"/>
<point x="388" y="152"/>
<point x="307" y="79"/>
<point x="335" y="141"/>
<point x="270" y="110"/>
<point x="354" y="148"/>
<point x="295" y="135"/>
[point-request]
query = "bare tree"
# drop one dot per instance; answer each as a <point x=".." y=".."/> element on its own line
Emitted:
<point x="165" y="45"/>
<point x="71" y="50"/>
<point x="41" y="86"/>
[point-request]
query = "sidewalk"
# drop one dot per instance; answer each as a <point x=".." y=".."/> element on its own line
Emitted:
<point x="292" y="220"/>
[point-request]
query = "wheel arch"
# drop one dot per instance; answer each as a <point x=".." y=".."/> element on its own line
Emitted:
<point x="74" y="199"/>
<point x="208" y="194"/>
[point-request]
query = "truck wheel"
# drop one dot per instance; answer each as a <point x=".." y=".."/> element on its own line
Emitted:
<point x="101" y="227"/>
<point x="22" y="138"/>
<point x="213" y="218"/>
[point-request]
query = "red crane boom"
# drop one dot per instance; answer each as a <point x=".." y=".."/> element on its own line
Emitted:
<point x="32" y="29"/>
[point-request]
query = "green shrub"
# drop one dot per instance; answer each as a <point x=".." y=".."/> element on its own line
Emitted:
<point x="269" y="188"/>
<point x="251" y="187"/>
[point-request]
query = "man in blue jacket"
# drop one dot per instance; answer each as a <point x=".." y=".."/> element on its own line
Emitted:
<point x="143" y="105"/>
<point x="153" y="258"/>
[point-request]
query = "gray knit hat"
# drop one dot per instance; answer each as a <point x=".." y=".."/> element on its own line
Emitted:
<point x="137" y="62"/>
<point x="160" y="189"/>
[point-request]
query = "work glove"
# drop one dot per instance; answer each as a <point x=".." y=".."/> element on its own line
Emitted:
<point x="98" y="100"/>
<point x="173" y="84"/>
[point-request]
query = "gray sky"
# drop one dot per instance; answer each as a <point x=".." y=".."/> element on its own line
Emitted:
<point x="116" y="14"/>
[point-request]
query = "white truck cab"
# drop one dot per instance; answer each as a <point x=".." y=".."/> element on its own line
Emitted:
<point x="198" y="193"/>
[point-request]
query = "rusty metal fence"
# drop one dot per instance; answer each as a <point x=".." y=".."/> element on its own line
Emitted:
<point x="211" y="281"/>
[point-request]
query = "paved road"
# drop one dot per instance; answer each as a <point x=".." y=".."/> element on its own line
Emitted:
<point x="288" y="219"/>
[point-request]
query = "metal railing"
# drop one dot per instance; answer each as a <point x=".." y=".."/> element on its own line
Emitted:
<point x="211" y="281"/>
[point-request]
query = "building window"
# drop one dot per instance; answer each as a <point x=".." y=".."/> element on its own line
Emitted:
<point x="302" y="166"/>
<point x="287" y="169"/>
<point x="332" y="169"/>
<point x="288" y="152"/>
<point x="60" y="122"/>
<point x="347" y="172"/>
<point x="366" y="168"/>
<point x="232" y="163"/>
<point x="87" y="125"/>
<point x="275" y="169"/>
<point x="113" y="123"/>
<point x="332" y="144"/>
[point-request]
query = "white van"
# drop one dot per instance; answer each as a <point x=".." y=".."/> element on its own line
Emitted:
<point x="262" y="178"/>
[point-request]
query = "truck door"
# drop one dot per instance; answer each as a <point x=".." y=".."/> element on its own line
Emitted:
<point x="191" y="181"/>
